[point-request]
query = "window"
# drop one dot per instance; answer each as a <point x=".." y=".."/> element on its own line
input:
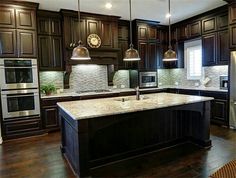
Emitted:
<point x="193" y="59"/>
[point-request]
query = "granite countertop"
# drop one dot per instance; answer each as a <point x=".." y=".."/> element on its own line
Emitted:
<point x="70" y="93"/>
<point x="84" y="109"/>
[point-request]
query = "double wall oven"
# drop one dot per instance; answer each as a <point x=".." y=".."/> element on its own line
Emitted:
<point x="19" y="88"/>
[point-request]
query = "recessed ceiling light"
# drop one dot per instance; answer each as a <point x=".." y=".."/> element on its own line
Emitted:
<point x="168" y="15"/>
<point x="108" y="5"/>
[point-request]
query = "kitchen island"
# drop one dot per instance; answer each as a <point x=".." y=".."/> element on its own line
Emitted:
<point x="100" y="131"/>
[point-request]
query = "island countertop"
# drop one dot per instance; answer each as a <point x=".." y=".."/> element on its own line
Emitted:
<point x="85" y="109"/>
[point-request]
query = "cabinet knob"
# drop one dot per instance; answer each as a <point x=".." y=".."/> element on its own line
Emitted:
<point x="71" y="44"/>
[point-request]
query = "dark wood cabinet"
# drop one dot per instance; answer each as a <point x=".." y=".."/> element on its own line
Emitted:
<point x="25" y="19"/>
<point x="109" y="34"/>
<point x="8" y="46"/>
<point x="26" y="42"/>
<point x="50" y="115"/>
<point x="152" y="56"/>
<point x="21" y="127"/>
<point x="143" y="32"/>
<point x="152" y="33"/>
<point x="7" y="17"/>
<point x="50" y="41"/>
<point x="232" y="32"/>
<point x="143" y="53"/>
<point x="209" y="49"/>
<point x="18" y="30"/>
<point x="182" y="32"/>
<point x="209" y="25"/>
<point x="223" y="52"/>
<point x="93" y="27"/>
<point x="232" y="13"/>
<point x="194" y="29"/>
<point x="222" y="21"/>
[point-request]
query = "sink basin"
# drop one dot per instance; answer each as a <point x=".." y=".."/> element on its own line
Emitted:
<point x="123" y="99"/>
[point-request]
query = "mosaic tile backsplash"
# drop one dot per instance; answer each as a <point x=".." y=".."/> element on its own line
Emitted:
<point x="88" y="77"/>
<point x="55" y="78"/>
<point x="121" y="78"/>
<point x="174" y="76"/>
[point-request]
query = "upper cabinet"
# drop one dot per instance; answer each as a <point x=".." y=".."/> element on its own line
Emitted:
<point x="194" y="29"/>
<point x="18" y="30"/>
<point x="209" y="25"/>
<point x="106" y="27"/>
<point x="232" y="26"/>
<point x="49" y="41"/>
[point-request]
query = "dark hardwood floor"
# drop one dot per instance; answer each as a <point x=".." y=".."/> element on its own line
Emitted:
<point x="41" y="157"/>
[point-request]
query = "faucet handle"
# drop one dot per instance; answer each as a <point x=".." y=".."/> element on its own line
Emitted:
<point x="137" y="88"/>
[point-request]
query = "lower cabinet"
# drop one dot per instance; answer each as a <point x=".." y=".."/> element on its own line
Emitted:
<point x="21" y="127"/>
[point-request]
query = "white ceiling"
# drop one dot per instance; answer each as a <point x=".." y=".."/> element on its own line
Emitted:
<point x="142" y="9"/>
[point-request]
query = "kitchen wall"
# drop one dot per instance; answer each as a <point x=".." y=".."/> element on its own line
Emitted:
<point x="55" y="78"/>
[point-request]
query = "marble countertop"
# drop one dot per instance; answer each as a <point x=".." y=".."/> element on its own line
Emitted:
<point x="70" y="93"/>
<point x="84" y="109"/>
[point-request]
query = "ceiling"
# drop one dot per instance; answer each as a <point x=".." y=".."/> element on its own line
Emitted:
<point x="143" y="9"/>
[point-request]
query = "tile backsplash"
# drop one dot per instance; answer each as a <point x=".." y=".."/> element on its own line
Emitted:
<point x="55" y="78"/>
<point x="88" y="77"/>
<point x="94" y="77"/>
<point x="171" y="76"/>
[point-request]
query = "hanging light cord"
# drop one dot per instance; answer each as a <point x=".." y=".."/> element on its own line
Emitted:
<point x="169" y="28"/>
<point x="130" y="25"/>
<point x="80" y="42"/>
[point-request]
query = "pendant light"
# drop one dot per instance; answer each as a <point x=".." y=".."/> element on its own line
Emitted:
<point x="80" y="52"/>
<point x="131" y="54"/>
<point x="170" y="55"/>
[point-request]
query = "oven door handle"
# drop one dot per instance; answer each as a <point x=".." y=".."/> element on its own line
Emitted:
<point x="17" y="96"/>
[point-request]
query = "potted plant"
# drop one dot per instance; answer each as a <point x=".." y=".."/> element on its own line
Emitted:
<point x="48" y="89"/>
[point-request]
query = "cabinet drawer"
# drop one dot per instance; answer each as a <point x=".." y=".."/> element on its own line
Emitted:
<point x="21" y="127"/>
<point x="216" y="95"/>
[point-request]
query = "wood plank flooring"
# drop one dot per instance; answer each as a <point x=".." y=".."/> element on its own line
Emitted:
<point x="40" y="157"/>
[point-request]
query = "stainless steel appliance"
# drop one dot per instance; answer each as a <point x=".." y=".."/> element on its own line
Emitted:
<point x="20" y="103"/>
<point x="147" y="79"/>
<point x="232" y="114"/>
<point x="18" y="73"/>
<point x="224" y="82"/>
<point x="143" y="79"/>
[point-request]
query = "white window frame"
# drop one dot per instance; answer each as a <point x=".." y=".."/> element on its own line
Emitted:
<point x="189" y="44"/>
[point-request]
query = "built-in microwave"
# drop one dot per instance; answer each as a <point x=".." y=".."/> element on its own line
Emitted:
<point x="17" y="73"/>
<point x="20" y="103"/>
<point x="143" y="79"/>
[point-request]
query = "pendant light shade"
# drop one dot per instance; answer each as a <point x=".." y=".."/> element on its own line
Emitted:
<point x="80" y="52"/>
<point x="170" y="55"/>
<point x="131" y="54"/>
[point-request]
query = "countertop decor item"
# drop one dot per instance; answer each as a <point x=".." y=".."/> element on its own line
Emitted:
<point x="80" y="52"/>
<point x="131" y="54"/>
<point x="170" y="55"/>
<point x="48" y="89"/>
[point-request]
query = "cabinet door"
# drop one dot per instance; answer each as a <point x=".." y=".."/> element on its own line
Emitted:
<point x="8" y="43"/>
<point x="75" y="31"/>
<point x="223" y="53"/>
<point x="50" y="118"/>
<point x="152" y="56"/>
<point x="142" y="32"/>
<point x="44" y="50"/>
<point x="106" y="34"/>
<point x="232" y="13"/>
<point x="123" y="45"/>
<point x="26" y="43"/>
<point x="93" y="27"/>
<point x="209" y="25"/>
<point x="56" y="53"/>
<point x="209" y="50"/>
<point x="7" y="17"/>
<point x="182" y="32"/>
<point x="222" y="21"/>
<point x="143" y="52"/>
<point x="152" y="33"/>
<point x="25" y="19"/>
<point x="43" y="26"/>
<point x="55" y="26"/>
<point x="180" y="54"/>
<point x="232" y="33"/>
<point x="194" y="29"/>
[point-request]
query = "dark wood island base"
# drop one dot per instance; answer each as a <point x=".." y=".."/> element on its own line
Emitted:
<point x="88" y="143"/>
